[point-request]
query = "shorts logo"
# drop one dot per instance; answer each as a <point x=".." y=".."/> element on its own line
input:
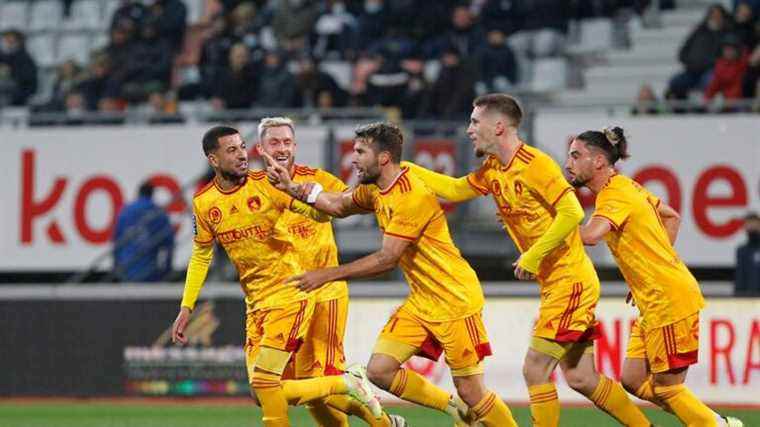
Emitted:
<point x="254" y="203"/>
<point x="215" y="215"/>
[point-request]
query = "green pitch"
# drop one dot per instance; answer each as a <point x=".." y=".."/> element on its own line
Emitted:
<point x="193" y="415"/>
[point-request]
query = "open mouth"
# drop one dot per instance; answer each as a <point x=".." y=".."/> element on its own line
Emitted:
<point x="282" y="159"/>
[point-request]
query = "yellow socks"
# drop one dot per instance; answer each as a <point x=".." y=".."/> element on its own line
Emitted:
<point x="491" y="411"/>
<point x="610" y="397"/>
<point x="350" y="406"/>
<point x="544" y="405"/>
<point x="326" y="416"/>
<point x="271" y="398"/>
<point x="686" y="406"/>
<point x="413" y="387"/>
<point x="298" y="392"/>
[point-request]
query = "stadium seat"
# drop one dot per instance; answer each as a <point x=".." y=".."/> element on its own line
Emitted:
<point x="74" y="46"/>
<point x="46" y="15"/>
<point x="42" y="49"/>
<point x="549" y="74"/>
<point x="13" y="14"/>
<point x="595" y="36"/>
<point x="85" y="15"/>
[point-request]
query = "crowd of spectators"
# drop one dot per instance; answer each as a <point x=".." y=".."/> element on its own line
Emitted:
<point x="267" y="54"/>
<point x="719" y="58"/>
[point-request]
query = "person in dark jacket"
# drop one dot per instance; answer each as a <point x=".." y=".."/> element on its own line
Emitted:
<point x="453" y="91"/>
<point x="237" y="87"/>
<point x="143" y="240"/>
<point x="277" y="86"/>
<point x="17" y="68"/>
<point x="699" y="52"/>
<point x="747" y="281"/>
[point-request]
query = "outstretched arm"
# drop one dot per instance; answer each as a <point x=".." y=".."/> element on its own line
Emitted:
<point x="447" y="187"/>
<point x="371" y="265"/>
<point x="569" y="215"/>
<point x="594" y="230"/>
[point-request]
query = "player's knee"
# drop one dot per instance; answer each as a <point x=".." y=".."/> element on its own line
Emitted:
<point x="472" y="392"/>
<point x="580" y="381"/>
<point x="631" y="383"/>
<point x="381" y="374"/>
<point x="535" y="370"/>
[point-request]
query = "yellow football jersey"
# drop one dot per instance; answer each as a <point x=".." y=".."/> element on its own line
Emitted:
<point x="664" y="289"/>
<point x="442" y="284"/>
<point x="314" y="241"/>
<point x="243" y="221"/>
<point x="525" y="192"/>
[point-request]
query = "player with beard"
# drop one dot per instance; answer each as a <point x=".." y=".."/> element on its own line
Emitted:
<point x="443" y="311"/>
<point x="640" y="231"/>
<point x="322" y="351"/>
<point x="239" y="209"/>
<point x="541" y="213"/>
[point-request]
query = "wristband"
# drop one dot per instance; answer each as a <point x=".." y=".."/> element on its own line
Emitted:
<point x="314" y="193"/>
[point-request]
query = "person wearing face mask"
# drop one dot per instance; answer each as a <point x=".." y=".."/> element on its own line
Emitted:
<point x="747" y="280"/>
<point x="17" y="67"/>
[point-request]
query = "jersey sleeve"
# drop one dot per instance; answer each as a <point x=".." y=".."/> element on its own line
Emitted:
<point x="364" y="197"/>
<point x="409" y="219"/>
<point x="613" y="205"/>
<point x="544" y="177"/>
<point x="202" y="233"/>
<point x="330" y="182"/>
<point x="478" y="180"/>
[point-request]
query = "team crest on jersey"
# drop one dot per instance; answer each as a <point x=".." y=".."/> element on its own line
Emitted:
<point x="234" y="210"/>
<point x="215" y="215"/>
<point x="254" y="203"/>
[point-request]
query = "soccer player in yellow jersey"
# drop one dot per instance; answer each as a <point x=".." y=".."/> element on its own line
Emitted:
<point x="443" y="311"/>
<point x="239" y="209"/>
<point x="640" y="231"/>
<point x="322" y="350"/>
<point x="541" y="213"/>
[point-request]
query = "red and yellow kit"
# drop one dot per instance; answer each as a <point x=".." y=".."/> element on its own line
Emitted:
<point x="526" y="191"/>
<point x="445" y="299"/>
<point x="665" y="291"/>
<point x="322" y="351"/>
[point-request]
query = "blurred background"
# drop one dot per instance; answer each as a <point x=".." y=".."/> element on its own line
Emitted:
<point x="103" y="105"/>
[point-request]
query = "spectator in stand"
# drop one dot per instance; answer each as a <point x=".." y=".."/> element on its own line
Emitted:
<point x="98" y="84"/>
<point x="502" y="15"/>
<point x="120" y="52"/>
<point x="371" y="24"/>
<point x="170" y="17"/>
<point x="129" y="12"/>
<point x="68" y="76"/>
<point x="245" y="25"/>
<point x="150" y="66"/>
<point x="453" y="91"/>
<point x="416" y="94"/>
<point x="746" y="26"/>
<point x="18" y="71"/>
<point x="747" y="280"/>
<point x="277" y="86"/>
<point x="729" y="70"/>
<point x="312" y="83"/>
<point x="752" y="76"/>
<point x="162" y="107"/>
<point x="238" y="84"/>
<point x="334" y="32"/>
<point x="544" y="27"/>
<point x="464" y="35"/>
<point x="754" y="4"/>
<point x="699" y="52"/>
<point x="498" y="65"/>
<point x="293" y="21"/>
<point x="214" y="56"/>
<point x="646" y="102"/>
<point x="143" y="240"/>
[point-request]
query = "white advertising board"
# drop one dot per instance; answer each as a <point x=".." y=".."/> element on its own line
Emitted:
<point x="707" y="167"/>
<point x="67" y="185"/>
<point x="729" y="354"/>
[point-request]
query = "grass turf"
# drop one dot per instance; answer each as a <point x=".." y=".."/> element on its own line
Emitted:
<point x="191" y="415"/>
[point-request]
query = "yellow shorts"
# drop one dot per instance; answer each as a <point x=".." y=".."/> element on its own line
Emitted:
<point x="464" y="341"/>
<point x="561" y="350"/>
<point x="666" y="347"/>
<point x="566" y="313"/>
<point x="322" y="350"/>
<point x="281" y="328"/>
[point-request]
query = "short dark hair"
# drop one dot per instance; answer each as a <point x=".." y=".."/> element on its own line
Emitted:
<point x="146" y="189"/>
<point x="611" y="141"/>
<point x="501" y="103"/>
<point x="211" y="137"/>
<point x="385" y="136"/>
